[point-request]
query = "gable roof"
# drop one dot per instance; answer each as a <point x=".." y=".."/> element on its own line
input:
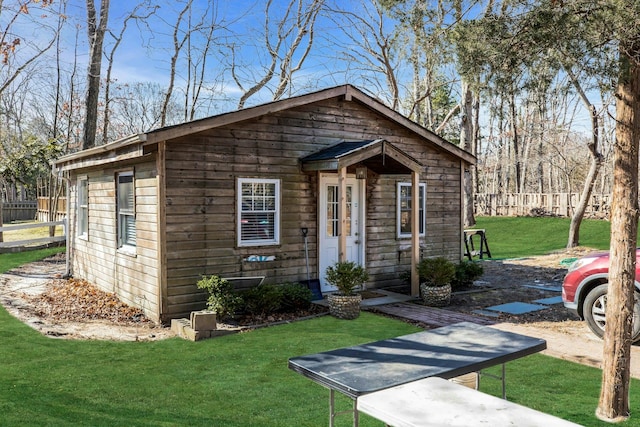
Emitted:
<point x="348" y="92"/>
<point x="378" y="155"/>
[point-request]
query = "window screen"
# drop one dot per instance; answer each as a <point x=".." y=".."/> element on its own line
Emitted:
<point x="126" y="210"/>
<point x="83" y="207"/>
<point x="258" y="211"/>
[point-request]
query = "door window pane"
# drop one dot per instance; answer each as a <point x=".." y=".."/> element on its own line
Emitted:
<point x="332" y="210"/>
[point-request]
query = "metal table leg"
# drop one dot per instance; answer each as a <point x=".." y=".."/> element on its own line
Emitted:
<point x="333" y="413"/>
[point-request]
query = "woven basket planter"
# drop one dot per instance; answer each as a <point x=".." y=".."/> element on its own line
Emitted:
<point x="436" y="296"/>
<point x="344" y="306"/>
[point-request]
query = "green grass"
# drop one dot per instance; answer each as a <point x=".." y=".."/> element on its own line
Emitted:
<point x="12" y="260"/>
<point x="236" y="380"/>
<point x="242" y="379"/>
<point x="522" y="236"/>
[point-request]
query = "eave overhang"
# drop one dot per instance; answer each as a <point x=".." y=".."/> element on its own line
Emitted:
<point x="378" y="155"/>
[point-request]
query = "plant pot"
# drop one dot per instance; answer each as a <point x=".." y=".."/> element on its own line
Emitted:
<point x="436" y="296"/>
<point x="344" y="306"/>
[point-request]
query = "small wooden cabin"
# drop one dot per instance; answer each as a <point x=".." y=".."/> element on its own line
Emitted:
<point x="233" y="194"/>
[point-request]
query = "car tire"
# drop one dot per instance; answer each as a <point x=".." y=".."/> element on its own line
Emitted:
<point x="594" y="308"/>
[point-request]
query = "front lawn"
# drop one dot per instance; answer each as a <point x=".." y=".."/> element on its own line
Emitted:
<point x="236" y="380"/>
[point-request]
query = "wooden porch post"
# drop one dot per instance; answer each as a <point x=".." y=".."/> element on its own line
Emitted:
<point x="342" y="214"/>
<point x="415" y="232"/>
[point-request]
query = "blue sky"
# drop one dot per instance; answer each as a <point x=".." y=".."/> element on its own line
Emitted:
<point x="145" y="52"/>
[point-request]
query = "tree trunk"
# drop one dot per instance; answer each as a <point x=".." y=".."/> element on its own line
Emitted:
<point x="476" y="138"/>
<point x="596" y="163"/>
<point x="516" y="140"/>
<point x="96" y="32"/>
<point x="466" y="143"/>
<point x="614" y="395"/>
<point x="1" y="223"/>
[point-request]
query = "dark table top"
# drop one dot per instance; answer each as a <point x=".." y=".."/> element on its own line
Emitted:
<point x="445" y="352"/>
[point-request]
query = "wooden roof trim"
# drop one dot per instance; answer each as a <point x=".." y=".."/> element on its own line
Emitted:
<point x="180" y="130"/>
<point x="384" y="148"/>
<point x="89" y="162"/>
<point x="376" y="148"/>
<point x="349" y="92"/>
<point x="103" y="153"/>
<point x="400" y="156"/>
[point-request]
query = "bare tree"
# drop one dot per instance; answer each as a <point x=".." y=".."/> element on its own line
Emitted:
<point x="197" y="36"/>
<point x="293" y="29"/>
<point x="138" y="107"/>
<point x="96" y="29"/>
<point x="11" y="42"/>
<point x="596" y="162"/>
<point x="140" y="13"/>
<point x="371" y="48"/>
<point x="19" y="52"/>
<point x="467" y="142"/>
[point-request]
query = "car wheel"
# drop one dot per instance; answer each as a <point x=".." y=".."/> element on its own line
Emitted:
<point x="595" y="306"/>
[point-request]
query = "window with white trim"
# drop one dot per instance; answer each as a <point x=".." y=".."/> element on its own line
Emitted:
<point x="404" y="209"/>
<point x="258" y="211"/>
<point x="126" y="204"/>
<point x="82" y="228"/>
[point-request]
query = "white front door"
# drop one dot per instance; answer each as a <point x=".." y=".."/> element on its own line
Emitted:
<point x="328" y="220"/>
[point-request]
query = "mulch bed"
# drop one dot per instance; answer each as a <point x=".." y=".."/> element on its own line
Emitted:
<point x="502" y="282"/>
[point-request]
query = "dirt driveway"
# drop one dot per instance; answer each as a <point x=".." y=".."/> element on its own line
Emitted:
<point x="567" y="338"/>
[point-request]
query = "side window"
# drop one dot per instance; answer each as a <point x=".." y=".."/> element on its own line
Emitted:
<point x="258" y="212"/>
<point x="126" y="209"/>
<point x="404" y="209"/>
<point x="82" y="227"/>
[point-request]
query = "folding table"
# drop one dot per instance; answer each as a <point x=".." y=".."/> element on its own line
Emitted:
<point x="445" y="352"/>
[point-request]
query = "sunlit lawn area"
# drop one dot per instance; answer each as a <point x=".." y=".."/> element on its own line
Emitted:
<point x="518" y="237"/>
<point x="243" y="379"/>
<point x="13" y="232"/>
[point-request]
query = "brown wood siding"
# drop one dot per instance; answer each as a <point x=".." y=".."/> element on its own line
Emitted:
<point x="97" y="259"/>
<point x="201" y="178"/>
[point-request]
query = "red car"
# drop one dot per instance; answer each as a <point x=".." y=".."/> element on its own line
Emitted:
<point x="584" y="291"/>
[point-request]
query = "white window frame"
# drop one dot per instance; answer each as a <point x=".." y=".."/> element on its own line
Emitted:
<point x="82" y="214"/>
<point x="275" y="240"/>
<point x="422" y="208"/>
<point x="121" y="214"/>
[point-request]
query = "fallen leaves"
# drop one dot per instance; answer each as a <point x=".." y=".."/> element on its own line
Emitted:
<point x="79" y="300"/>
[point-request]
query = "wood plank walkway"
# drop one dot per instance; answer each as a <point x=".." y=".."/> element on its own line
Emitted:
<point x="429" y="315"/>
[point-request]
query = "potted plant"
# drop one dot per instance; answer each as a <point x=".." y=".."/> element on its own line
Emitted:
<point x="436" y="275"/>
<point x="346" y="276"/>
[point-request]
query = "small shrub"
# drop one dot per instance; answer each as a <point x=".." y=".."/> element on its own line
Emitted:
<point x="222" y="299"/>
<point x="437" y="271"/>
<point x="405" y="276"/>
<point x="466" y="273"/>
<point x="262" y="300"/>
<point x="346" y="276"/>
<point x="295" y="297"/>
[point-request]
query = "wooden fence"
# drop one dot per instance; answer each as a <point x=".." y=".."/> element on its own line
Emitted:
<point x="10" y="244"/>
<point x="540" y="204"/>
<point x="43" y="209"/>
<point x="18" y="211"/>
